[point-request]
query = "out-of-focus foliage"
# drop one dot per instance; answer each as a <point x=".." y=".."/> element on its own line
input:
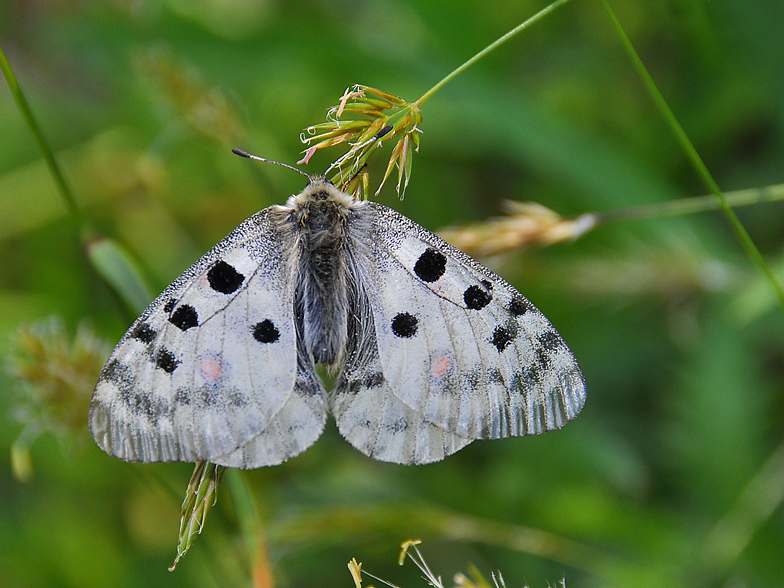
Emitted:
<point x="671" y="476"/>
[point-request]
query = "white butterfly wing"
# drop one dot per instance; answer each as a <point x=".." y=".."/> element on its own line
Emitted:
<point x="209" y="371"/>
<point x="459" y="347"/>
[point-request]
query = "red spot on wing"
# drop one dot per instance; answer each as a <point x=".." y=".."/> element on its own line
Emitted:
<point x="441" y="365"/>
<point x="210" y="369"/>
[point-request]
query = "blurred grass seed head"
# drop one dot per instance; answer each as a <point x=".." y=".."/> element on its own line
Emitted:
<point x="56" y="373"/>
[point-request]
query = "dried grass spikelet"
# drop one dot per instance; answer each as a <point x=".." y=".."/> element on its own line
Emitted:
<point x="526" y="223"/>
<point x="408" y="549"/>
<point x="200" y="495"/>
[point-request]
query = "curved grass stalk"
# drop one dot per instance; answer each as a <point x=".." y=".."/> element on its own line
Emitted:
<point x="109" y="260"/>
<point x="696" y="161"/>
<point x="51" y="163"/>
<point x="375" y="117"/>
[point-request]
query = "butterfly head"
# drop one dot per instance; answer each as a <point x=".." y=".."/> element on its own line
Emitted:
<point x="318" y="191"/>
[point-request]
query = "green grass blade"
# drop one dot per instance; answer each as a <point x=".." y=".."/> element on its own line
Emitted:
<point x="113" y="263"/>
<point x="491" y="47"/>
<point x="119" y="269"/>
<point x="27" y="114"/>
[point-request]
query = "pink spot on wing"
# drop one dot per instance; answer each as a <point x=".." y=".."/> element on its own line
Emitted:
<point x="210" y="369"/>
<point x="440" y="366"/>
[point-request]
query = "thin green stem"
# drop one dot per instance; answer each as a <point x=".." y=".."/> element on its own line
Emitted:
<point x="247" y="513"/>
<point x="109" y="259"/>
<point x="759" y="500"/>
<point x="536" y="17"/>
<point x="691" y="153"/>
<point x="691" y="205"/>
<point x="24" y="107"/>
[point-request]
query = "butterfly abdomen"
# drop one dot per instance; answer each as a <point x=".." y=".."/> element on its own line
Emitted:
<point x="322" y="216"/>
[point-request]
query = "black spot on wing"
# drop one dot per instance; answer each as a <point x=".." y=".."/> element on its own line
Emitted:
<point x="184" y="317"/>
<point x="372" y="381"/>
<point x="519" y="306"/>
<point x="476" y="298"/>
<point x="169" y="306"/>
<point x="143" y="332"/>
<point x="551" y="341"/>
<point x="165" y="360"/>
<point x="224" y="278"/>
<point x="117" y="372"/>
<point x="404" y="325"/>
<point x="152" y="408"/>
<point x="265" y="332"/>
<point x="430" y="266"/>
<point x="501" y="338"/>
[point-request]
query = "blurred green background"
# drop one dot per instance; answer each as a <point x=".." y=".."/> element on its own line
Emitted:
<point x="673" y="473"/>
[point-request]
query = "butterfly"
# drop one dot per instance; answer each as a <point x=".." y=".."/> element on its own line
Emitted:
<point x="432" y="350"/>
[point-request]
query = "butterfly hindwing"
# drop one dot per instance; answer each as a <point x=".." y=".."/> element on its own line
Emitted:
<point x="366" y="408"/>
<point x="374" y="420"/>
<point x="295" y="427"/>
<point x="211" y="365"/>
<point x="459" y="346"/>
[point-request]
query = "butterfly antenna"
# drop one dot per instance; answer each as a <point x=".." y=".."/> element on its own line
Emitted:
<point x="242" y="153"/>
